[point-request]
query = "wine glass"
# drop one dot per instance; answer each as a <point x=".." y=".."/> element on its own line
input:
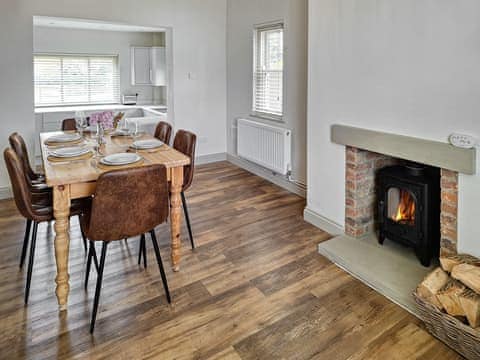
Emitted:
<point x="136" y="134"/>
<point x="99" y="139"/>
<point x="81" y="121"/>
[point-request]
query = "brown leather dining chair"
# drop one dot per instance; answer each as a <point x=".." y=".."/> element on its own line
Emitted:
<point x="41" y="193"/>
<point x="36" y="213"/>
<point x="185" y="142"/>
<point x="17" y="143"/>
<point x="163" y="132"/>
<point x="69" y="125"/>
<point x="127" y="203"/>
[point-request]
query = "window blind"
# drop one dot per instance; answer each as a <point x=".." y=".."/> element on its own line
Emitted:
<point x="268" y="70"/>
<point x="73" y="79"/>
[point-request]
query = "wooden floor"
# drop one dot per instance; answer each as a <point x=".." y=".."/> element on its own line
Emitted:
<point x="255" y="288"/>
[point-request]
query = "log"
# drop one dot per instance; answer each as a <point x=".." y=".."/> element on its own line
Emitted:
<point x="448" y="262"/>
<point x="470" y="302"/>
<point x="431" y="285"/>
<point x="469" y="275"/>
<point x="448" y="297"/>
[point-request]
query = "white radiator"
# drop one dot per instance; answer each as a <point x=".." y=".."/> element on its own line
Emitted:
<point x="265" y="145"/>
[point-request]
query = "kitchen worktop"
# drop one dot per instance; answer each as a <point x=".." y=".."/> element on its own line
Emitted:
<point x="55" y="109"/>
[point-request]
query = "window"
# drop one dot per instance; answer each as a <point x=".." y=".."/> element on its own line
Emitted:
<point x="268" y="71"/>
<point x="76" y="79"/>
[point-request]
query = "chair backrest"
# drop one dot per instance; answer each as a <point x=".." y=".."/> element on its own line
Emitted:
<point x="185" y="142"/>
<point x="20" y="186"/>
<point x="128" y="202"/>
<point x="18" y="145"/>
<point x="69" y="125"/>
<point x="163" y="132"/>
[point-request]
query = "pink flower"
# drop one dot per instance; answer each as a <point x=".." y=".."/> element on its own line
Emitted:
<point x="104" y="118"/>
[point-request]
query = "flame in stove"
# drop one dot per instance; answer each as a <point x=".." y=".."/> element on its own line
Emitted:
<point x="406" y="208"/>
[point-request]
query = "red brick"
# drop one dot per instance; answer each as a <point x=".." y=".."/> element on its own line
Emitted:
<point x="449" y="184"/>
<point x="449" y="208"/>
<point x="449" y="221"/>
<point x="449" y="174"/>
<point x="450" y="196"/>
<point x="448" y="233"/>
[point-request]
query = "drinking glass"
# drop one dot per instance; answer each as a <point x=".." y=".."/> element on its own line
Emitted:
<point x="136" y="133"/>
<point x="99" y="140"/>
<point x="81" y="121"/>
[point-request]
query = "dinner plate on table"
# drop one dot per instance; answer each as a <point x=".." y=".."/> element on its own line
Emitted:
<point x="91" y="129"/>
<point x="70" y="151"/>
<point x="120" y="159"/>
<point x="121" y="132"/>
<point x="147" y="144"/>
<point x="64" y="138"/>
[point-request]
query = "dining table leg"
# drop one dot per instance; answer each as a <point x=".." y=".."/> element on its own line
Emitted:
<point x="176" y="183"/>
<point x="61" y="212"/>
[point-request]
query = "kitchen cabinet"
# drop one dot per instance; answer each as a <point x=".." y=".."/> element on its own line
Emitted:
<point x="148" y="66"/>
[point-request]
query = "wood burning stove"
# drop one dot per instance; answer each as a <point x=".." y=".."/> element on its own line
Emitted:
<point x="409" y="208"/>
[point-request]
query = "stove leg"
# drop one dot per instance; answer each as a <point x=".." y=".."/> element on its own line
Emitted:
<point x="381" y="238"/>
<point x="424" y="257"/>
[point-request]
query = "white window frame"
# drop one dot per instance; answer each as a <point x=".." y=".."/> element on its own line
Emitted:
<point x="258" y="29"/>
<point x="117" y="96"/>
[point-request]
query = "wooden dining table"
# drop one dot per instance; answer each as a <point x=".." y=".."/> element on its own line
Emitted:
<point x="75" y="179"/>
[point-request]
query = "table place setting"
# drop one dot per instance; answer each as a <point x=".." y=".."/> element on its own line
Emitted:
<point x="121" y="132"/>
<point x="63" y="139"/>
<point x="69" y="154"/>
<point x="120" y="160"/>
<point x="149" y="145"/>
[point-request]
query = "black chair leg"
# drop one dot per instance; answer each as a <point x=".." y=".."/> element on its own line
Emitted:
<point x="90" y="256"/>
<point x="30" y="261"/>
<point x="160" y="265"/>
<point x="187" y="218"/>
<point x="98" y="287"/>
<point x="95" y="259"/>
<point x="142" y="251"/>
<point x="25" y="242"/>
<point x="84" y="238"/>
<point x="144" y="244"/>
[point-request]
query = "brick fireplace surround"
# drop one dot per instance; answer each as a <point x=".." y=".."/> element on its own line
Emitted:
<point x="360" y="204"/>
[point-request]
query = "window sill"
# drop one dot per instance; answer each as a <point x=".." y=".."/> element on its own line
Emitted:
<point x="271" y="117"/>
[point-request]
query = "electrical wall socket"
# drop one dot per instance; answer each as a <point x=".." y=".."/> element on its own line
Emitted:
<point x="462" y="141"/>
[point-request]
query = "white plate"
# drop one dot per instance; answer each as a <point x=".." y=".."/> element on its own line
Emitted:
<point x="120" y="159"/>
<point x="91" y="128"/>
<point x="147" y="144"/>
<point x="121" y="132"/>
<point x="70" y="151"/>
<point x="63" y="138"/>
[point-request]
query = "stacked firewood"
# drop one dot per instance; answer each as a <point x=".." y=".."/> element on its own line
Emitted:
<point x="455" y="288"/>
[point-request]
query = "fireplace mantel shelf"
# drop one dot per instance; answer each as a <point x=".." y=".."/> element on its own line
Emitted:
<point x="434" y="153"/>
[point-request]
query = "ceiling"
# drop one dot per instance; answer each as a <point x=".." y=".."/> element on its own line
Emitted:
<point x="71" y="23"/>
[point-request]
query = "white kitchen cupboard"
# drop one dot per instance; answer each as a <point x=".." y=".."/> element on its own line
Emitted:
<point x="158" y="62"/>
<point x="148" y="66"/>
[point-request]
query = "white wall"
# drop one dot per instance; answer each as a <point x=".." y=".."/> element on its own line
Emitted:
<point x="404" y="66"/>
<point x="199" y="47"/>
<point x="242" y="16"/>
<point x="75" y="41"/>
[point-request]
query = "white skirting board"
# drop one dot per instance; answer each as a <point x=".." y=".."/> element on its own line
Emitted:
<point x="322" y="222"/>
<point x="268" y="175"/>
<point x="211" y="158"/>
<point x="5" y="192"/>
